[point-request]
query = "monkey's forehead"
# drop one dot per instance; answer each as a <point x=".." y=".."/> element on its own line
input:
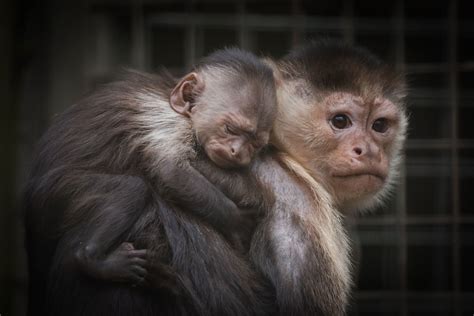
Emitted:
<point x="335" y="66"/>
<point x="249" y="118"/>
<point x="340" y="100"/>
<point x="369" y="88"/>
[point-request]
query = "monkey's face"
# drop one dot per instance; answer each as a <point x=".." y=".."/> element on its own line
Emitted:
<point x="341" y="116"/>
<point x="231" y="116"/>
<point x="360" y="136"/>
<point x="230" y="139"/>
<point x="351" y="143"/>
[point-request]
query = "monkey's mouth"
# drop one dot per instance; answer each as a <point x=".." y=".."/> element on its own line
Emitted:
<point x="221" y="159"/>
<point x="366" y="180"/>
<point x="360" y="183"/>
<point x="375" y="171"/>
<point x="380" y="176"/>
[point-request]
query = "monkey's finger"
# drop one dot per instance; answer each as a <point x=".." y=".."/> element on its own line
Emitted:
<point x="139" y="261"/>
<point x="126" y="246"/>
<point x="138" y="253"/>
<point x="136" y="280"/>
<point x="140" y="270"/>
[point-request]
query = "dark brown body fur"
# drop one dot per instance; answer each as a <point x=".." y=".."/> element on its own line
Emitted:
<point x="92" y="177"/>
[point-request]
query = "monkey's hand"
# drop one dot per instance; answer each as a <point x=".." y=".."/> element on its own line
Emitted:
<point x="124" y="264"/>
<point x="244" y="228"/>
<point x="249" y="217"/>
<point x="192" y="191"/>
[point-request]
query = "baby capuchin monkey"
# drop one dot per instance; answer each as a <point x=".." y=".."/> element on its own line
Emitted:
<point x="147" y="133"/>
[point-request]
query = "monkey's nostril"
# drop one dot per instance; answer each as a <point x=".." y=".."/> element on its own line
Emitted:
<point x="358" y="151"/>
<point x="232" y="150"/>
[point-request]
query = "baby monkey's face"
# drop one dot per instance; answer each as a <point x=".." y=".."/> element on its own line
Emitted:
<point x="231" y="144"/>
<point x="231" y="114"/>
<point x="231" y="138"/>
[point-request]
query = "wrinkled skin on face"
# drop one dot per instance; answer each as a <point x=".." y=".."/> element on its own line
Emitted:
<point x="231" y="116"/>
<point x="349" y="142"/>
<point x="360" y="134"/>
<point x="351" y="123"/>
<point x="232" y="141"/>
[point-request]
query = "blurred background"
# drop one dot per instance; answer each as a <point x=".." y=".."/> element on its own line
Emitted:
<point x="416" y="254"/>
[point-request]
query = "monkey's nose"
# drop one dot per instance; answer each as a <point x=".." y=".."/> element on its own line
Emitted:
<point x="357" y="150"/>
<point x="236" y="150"/>
<point x="239" y="156"/>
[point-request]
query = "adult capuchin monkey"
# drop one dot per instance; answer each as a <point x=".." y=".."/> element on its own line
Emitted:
<point x="105" y="165"/>
<point x="340" y="127"/>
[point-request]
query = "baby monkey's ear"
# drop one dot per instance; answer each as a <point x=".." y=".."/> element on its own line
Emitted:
<point x="183" y="95"/>
<point x="277" y="73"/>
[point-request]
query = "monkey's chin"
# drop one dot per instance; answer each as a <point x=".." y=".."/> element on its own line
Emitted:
<point x="221" y="161"/>
<point x="355" y="194"/>
<point x="359" y="185"/>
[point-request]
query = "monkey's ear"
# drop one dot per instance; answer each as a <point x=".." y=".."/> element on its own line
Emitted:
<point x="183" y="95"/>
<point x="277" y="75"/>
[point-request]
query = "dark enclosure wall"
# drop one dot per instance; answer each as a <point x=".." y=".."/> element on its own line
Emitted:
<point x="415" y="256"/>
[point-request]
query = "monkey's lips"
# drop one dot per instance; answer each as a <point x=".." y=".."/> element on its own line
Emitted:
<point x="221" y="158"/>
<point x="364" y="180"/>
<point x="379" y="175"/>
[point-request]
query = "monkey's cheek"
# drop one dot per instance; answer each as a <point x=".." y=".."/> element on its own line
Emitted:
<point x="220" y="162"/>
<point x="219" y="157"/>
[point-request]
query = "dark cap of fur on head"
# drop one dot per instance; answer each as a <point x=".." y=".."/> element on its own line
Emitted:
<point x="331" y="65"/>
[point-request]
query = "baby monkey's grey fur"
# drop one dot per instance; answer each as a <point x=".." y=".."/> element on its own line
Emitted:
<point x="106" y="163"/>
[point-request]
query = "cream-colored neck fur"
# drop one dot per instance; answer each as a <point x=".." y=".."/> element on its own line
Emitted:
<point x="167" y="133"/>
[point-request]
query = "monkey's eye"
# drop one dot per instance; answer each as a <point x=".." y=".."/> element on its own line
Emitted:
<point x="341" y="121"/>
<point x="229" y="130"/>
<point x="380" y="125"/>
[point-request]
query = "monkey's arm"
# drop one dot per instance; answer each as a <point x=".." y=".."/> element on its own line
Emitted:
<point x="190" y="190"/>
<point x="239" y="185"/>
<point x="102" y="210"/>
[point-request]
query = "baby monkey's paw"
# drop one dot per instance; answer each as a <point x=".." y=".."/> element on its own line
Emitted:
<point x="126" y="264"/>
